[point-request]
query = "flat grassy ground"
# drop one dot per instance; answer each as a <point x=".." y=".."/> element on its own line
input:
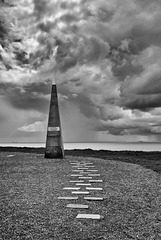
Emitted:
<point x="30" y="209"/>
<point x="150" y="160"/>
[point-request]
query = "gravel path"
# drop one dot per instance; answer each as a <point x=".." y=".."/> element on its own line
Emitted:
<point x="30" y="209"/>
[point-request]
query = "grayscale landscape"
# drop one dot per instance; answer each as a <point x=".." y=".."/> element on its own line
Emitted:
<point x="80" y="119"/>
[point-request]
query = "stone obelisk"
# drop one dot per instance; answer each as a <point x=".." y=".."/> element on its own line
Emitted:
<point x="54" y="143"/>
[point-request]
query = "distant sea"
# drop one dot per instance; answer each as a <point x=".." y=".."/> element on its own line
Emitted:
<point x="113" y="146"/>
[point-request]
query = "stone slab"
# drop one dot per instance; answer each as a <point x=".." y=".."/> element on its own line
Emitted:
<point x="92" y="188"/>
<point x="96" y="181"/>
<point x="94" y="198"/>
<point x="91" y="170"/>
<point x="76" y="181"/>
<point x="88" y="216"/>
<point x="85" y="177"/>
<point x="79" y="192"/>
<point x="77" y="170"/>
<point x="10" y="155"/>
<point x="71" y="188"/>
<point x="77" y="206"/>
<point x="67" y="198"/>
<point x="83" y="184"/>
<point x="77" y="166"/>
<point x="94" y="175"/>
<point x="76" y="175"/>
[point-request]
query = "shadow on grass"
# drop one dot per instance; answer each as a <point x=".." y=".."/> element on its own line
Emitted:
<point x="151" y="160"/>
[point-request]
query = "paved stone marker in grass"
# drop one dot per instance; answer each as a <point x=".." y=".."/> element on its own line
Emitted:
<point x="67" y="198"/>
<point x="77" y="206"/>
<point x="77" y="170"/>
<point x="96" y="189"/>
<point x="85" y="172"/>
<point x="10" y="155"/>
<point x="83" y="184"/>
<point x="85" y="177"/>
<point x="94" y="198"/>
<point x="91" y="170"/>
<point x="94" y="175"/>
<point x="88" y="216"/>
<point x="78" y="192"/>
<point x="71" y="188"/>
<point x="96" y="181"/>
<point x="77" y="181"/>
<point x="76" y="175"/>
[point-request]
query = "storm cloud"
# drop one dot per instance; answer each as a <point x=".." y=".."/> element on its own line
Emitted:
<point x="103" y="55"/>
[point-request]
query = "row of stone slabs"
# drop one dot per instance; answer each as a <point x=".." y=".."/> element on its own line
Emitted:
<point x="81" y="166"/>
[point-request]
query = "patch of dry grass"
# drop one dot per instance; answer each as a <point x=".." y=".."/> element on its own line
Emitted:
<point x="30" y="208"/>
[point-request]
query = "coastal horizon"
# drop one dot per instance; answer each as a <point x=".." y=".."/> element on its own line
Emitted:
<point x="110" y="145"/>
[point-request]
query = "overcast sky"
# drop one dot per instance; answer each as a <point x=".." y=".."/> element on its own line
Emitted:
<point x="105" y="57"/>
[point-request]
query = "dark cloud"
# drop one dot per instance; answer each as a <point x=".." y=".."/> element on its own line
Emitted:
<point x="152" y="86"/>
<point x="46" y="26"/>
<point x="27" y="97"/>
<point x="28" y="101"/>
<point x="69" y="18"/>
<point x="94" y="49"/>
<point x="104" y="15"/>
<point x="65" y="57"/>
<point x="141" y="38"/>
<point x="127" y="69"/>
<point x="40" y="8"/>
<point x="69" y="61"/>
<point x="105" y="57"/>
<point x="86" y="106"/>
<point x="141" y="102"/>
<point x="5" y="30"/>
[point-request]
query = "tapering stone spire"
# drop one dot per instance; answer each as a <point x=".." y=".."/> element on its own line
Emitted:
<point x="54" y="143"/>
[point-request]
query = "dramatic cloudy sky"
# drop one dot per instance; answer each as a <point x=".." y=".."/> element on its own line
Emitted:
<point x="105" y="56"/>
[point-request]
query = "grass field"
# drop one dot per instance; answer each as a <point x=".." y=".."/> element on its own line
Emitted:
<point x="30" y="208"/>
<point x="150" y="160"/>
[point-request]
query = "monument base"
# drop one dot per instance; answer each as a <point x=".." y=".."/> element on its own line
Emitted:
<point x="54" y="152"/>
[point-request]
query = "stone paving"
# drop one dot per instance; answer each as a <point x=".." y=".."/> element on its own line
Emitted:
<point x="83" y="181"/>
